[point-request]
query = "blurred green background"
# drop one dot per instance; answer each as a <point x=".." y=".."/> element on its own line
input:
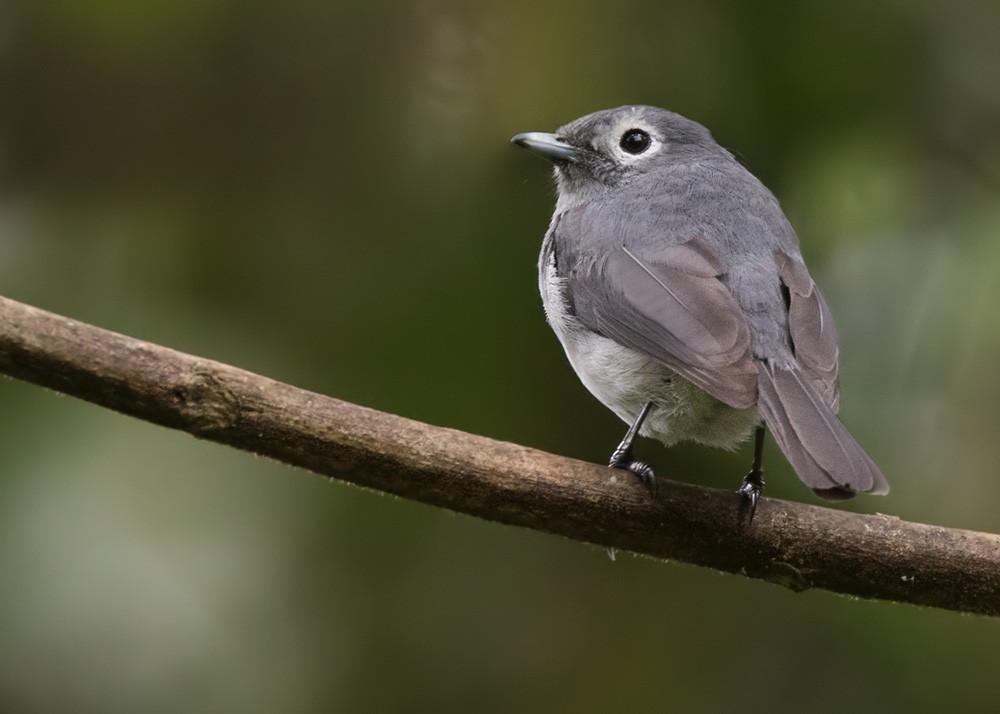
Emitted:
<point x="324" y="193"/>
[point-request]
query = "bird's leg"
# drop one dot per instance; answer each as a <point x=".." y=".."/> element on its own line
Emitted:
<point x="621" y="458"/>
<point x="753" y="482"/>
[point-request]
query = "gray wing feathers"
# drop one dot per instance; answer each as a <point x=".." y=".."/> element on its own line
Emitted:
<point x="821" y="450"/>
<point x="675" y="310"/>
<point x="811" y="327"/>
<point x="799" y="404"/>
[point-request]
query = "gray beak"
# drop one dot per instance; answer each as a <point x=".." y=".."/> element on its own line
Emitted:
<point x="548" y="145"/>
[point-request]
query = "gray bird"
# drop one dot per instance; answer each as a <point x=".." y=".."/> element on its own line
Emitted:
<point x="676" y="286"/>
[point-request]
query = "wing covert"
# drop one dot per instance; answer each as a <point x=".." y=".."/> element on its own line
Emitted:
<point x="674" y="309"/>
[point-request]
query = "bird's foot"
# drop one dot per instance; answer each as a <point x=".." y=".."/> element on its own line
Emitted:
<point x="750" y="491"/>
<point x="622" y="459"/>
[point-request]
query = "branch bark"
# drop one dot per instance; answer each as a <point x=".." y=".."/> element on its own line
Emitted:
<point x="795" y="545"/>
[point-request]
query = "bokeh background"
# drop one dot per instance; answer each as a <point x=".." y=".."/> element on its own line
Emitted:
<point x="323" y="192"/>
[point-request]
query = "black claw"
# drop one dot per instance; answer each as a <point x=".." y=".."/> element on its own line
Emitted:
<point x="645" y="474"/>
<point x="643" y="471"/>
<point x="753" y="483"/>
<point x="622" y="456"/>
<point x="750" y="491"/>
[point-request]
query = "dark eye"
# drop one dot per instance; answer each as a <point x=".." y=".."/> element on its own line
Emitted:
<point x="635" y="141"/>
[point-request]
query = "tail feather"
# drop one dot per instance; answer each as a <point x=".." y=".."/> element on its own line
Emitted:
<point x="820" y="449"/>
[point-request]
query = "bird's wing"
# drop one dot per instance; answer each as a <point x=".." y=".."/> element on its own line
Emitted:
<point x="799" y="402"/>
<point x="674" y="309"/>
<point x="810" y="323"/>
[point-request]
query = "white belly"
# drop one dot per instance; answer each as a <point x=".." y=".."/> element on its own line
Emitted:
<point x="624" y="380"/>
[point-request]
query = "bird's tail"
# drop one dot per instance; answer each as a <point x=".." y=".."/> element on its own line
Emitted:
<point x="820" y="449"/>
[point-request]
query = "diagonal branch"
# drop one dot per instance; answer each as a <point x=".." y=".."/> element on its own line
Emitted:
<point x="792" y="544"/>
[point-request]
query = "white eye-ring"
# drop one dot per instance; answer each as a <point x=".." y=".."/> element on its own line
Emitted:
<point x="633" y="141"/>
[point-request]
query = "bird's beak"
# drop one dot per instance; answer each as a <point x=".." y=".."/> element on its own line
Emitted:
<point x="548" y="145"/>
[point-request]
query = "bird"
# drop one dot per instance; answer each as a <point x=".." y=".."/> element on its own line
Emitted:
<point x="677" y="288"/>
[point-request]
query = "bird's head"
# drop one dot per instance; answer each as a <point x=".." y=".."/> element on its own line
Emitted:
<point x="612" y="147"/>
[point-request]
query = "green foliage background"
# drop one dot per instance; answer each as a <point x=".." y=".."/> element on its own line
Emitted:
<point x="323" y="192"/>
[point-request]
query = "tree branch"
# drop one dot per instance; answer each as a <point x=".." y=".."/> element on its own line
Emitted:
<point x="796" y="545"/>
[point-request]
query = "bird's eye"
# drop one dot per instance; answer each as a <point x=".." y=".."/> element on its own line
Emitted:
<point x="635" y="141"/>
